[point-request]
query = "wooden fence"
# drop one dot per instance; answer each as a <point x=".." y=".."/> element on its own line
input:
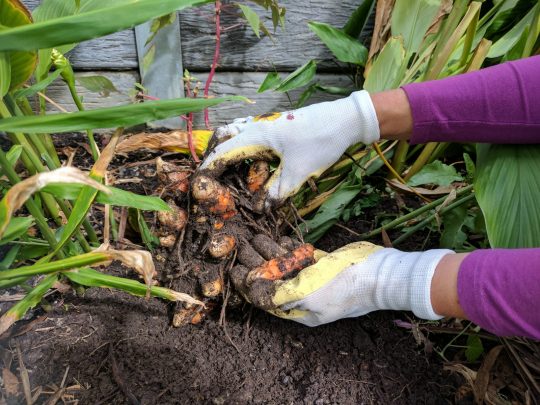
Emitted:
<point x="245" y="59"/>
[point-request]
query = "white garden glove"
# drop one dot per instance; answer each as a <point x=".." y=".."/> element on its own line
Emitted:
<point x="352" y="281"/>
<point x="308" y="141"/>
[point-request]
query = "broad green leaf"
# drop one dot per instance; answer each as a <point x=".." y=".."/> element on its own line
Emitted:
<point x="105" y="18"/>
<point x="5" y="73"/>
<point x="509" y="40"/>
<point x="509" y="14"/>
<point x="384" y="71"/>
<point x="271" y="81"/>
<point x="411" y="20"/>
<point x="453" y="236"/>
<point x="475" y="348"/>
<point x="17" y="227"/>
<point x="300" y="77"/>
<point x="358" y="18"/>
<point x="344" y="47"/>
<point x="252" y="18"/>
<point x="117" y="197"/>
<point x="123" y="116"/>
<point x="97" y="84"/>
<point x="507" y="188"/>
<point x="14" y="15"/>
<point x="39" y="86"/>
<point x="436" y="173"/>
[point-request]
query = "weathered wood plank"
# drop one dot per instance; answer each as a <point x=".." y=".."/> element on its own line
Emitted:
<point x="163" y="77"/>
<point x="242" y="50"/>
<point x="245" y="84"/>
<point x="112" y="52"/>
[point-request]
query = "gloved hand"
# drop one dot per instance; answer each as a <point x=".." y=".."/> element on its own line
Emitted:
<point x="308" y="141"/>
<point x="349" y="282"/>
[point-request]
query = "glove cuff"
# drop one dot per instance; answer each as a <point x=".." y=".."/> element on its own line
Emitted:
<point x="367" y="119"/>
<point x="404" y="280"/>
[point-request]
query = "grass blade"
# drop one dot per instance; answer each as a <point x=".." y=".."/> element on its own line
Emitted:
<point x="123" y="116"/>
<point x="92" y="278"/>
<point x="33" y="298"/>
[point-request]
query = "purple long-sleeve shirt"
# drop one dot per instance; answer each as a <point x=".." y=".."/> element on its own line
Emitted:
<point x="498" y="289"/>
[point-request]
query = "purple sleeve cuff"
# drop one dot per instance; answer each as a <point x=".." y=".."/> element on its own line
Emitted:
<point x="499" y="290"/>
<point x="494" y="105"/>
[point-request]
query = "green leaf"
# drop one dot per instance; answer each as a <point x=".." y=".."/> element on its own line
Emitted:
<point x="10" y="257"/>
<point x="475" y="348"/>
<point x="17" y="227"/>
<point x="5" y="73"/>
<point x="118" y="197"/>
<point x="358" y="19"/>
<point x="123" y="116"/>
<point x="411" y="20"/>
<point x="507" y="188"/>
<point x="158" y="24"/>
<point x="383" y="74"/>
<point x="436" y="173"/>
<point x="511" y="38"/>
<point x="271" y="81"/>
<point x="13" y="16"/>
<point x="97" y="84"/>
<point x="300" y="77"/>
<point x="344" y="47"/>
<point x="252" y="18"/>
<point x="453" y="236"/>
<point x="92" y="278"/>
<point x="14" y="153"/>
<point x="33" y="298"/>
<point x="104" y="17"/>
<point x="39" y="86"/>
<point x="149" y="58"/>
<point x="470" y="167"/>
<point x="332" y="209"/>
<point x="136" y="220"/>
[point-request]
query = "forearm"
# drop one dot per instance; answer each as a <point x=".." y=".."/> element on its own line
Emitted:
<point x="495" y="105"/>
<point x="497" y="289"/>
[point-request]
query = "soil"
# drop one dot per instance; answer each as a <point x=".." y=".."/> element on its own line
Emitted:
<point x="113" y="348"/>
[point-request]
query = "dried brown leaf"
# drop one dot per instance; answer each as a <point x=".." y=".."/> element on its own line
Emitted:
<point x="174" y="141"/>
<point x="20" y="192"/>
<point x="381" y="30"/>
<point x="481" y="382"/>
<point x="444" y="10"/>
<point x="11" y="383"/>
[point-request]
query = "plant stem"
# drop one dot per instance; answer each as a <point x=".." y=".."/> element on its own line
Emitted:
<point x="215" y="61"/>
<point x="33" y="162"/>
<point x="80" y="107"/>
<point x="398" y="161"/>
<point x="30" y="204"/>
<point x="411" y="215"/>
<point x="430" y="218"/>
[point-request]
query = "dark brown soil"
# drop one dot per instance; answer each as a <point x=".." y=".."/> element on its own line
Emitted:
<point x="365" y="360"/>
<point x="120" y="349"/>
